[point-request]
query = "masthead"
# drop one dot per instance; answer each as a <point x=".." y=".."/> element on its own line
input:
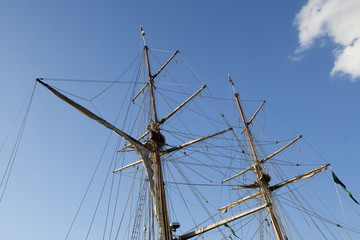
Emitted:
<point x="143" y="34"/>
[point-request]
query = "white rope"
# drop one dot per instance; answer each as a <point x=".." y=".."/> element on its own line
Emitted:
<point x="159" y="50"/>
<point x="127" y="201"/>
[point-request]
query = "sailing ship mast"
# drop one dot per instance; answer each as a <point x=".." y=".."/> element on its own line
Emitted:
<point x="144" y="151"/>
<point x="157" y="141"/>
<point x="151" y="151"/>
<point x="262" y="179"/>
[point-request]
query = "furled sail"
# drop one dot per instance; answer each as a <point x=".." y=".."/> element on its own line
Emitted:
<point x="141" y="149"/>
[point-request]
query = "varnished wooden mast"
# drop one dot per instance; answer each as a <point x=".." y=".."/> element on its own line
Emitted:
<point x="151" y="83"/>
<point x="164" y="225"/>
<point x="262" y="184"/>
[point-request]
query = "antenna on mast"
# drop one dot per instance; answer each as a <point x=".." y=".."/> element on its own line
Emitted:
<point x="143" y="34"/>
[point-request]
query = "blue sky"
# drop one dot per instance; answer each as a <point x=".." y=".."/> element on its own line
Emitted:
<point x="286" y="52"/>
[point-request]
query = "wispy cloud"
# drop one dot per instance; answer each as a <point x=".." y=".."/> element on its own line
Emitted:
<point x="295" y="57"/>
<point x="338" y="20"/>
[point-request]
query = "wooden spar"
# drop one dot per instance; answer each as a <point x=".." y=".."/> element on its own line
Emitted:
<point x="92" y="115"/>
<point x="245" y="199"/>
<point x="238" y="174"/>
<point x="263" y="160"/>
<point x="281" y="149"/>
<point x="127" y="166"/>
<point x="181" y="105"/>
<point x="253" y="117"/>
<point x="169" y="115"/>
<point x="164" y="232"/>
<point x="142" y="150"/>
<point x="174" y="148"/>
<point x="275" y="187"/>
<point x="157" y="73"/>
<point x="151" y="83"/>
<point x="141" y="90"/>
<point x="263" y="186"/>
<point x="193" y="141"/>
<point x="218" y="224"/>
<point x="302" y="176"/>
<point x="141" y="137"/>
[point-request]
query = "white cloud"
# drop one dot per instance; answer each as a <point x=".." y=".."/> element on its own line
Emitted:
<point x="338" y="20"/>
<point x="296" y="57"/>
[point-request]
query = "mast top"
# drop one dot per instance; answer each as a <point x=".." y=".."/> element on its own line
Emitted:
<point x="232" y="84"/>
<point x="143" y="34"/>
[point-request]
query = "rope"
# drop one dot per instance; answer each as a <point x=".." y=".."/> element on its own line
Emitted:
<point x="115" y="207"/>
<point x="182" y="197"/>
<point x="88" y="187"/>
<point x="103" y="188"/>
<point x="308" y="143"/>
<point x="159" y="50"/>
<point x="116" y="80"/>
<point x="86" y="81"/>
<point x="14" y="152"/>
<point x="127" y="201"/>
<point x="197" y="195"/>
<point x="109" y="202"/>
<point x="13" y="124"/>
<point x="342" y="208"/>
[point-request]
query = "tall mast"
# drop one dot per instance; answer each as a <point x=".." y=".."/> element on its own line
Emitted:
<point x="261" y="178"/>
<point x="157" y="141"/>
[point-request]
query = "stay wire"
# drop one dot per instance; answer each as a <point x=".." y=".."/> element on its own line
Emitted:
<point x="103" y="188"/>
<point x="181" y="195"/>
<point x="291" y="126"/>
<point x="14" y="152"/>
<point x="196" y="77"/>
<point x="13" y="124"/>
<point x="110" y="197"/>
<point x="136" y="76"/>
<point x="342" y="209"/>
<point x="127" y="201"/>
<point x="197" y="195"/>
<point x="88" y="187"/>
<point x="86" y="81"/>
<point x="115" y="207"/>
<point x="116" y="80"/>
<point x="120" y="139"/>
